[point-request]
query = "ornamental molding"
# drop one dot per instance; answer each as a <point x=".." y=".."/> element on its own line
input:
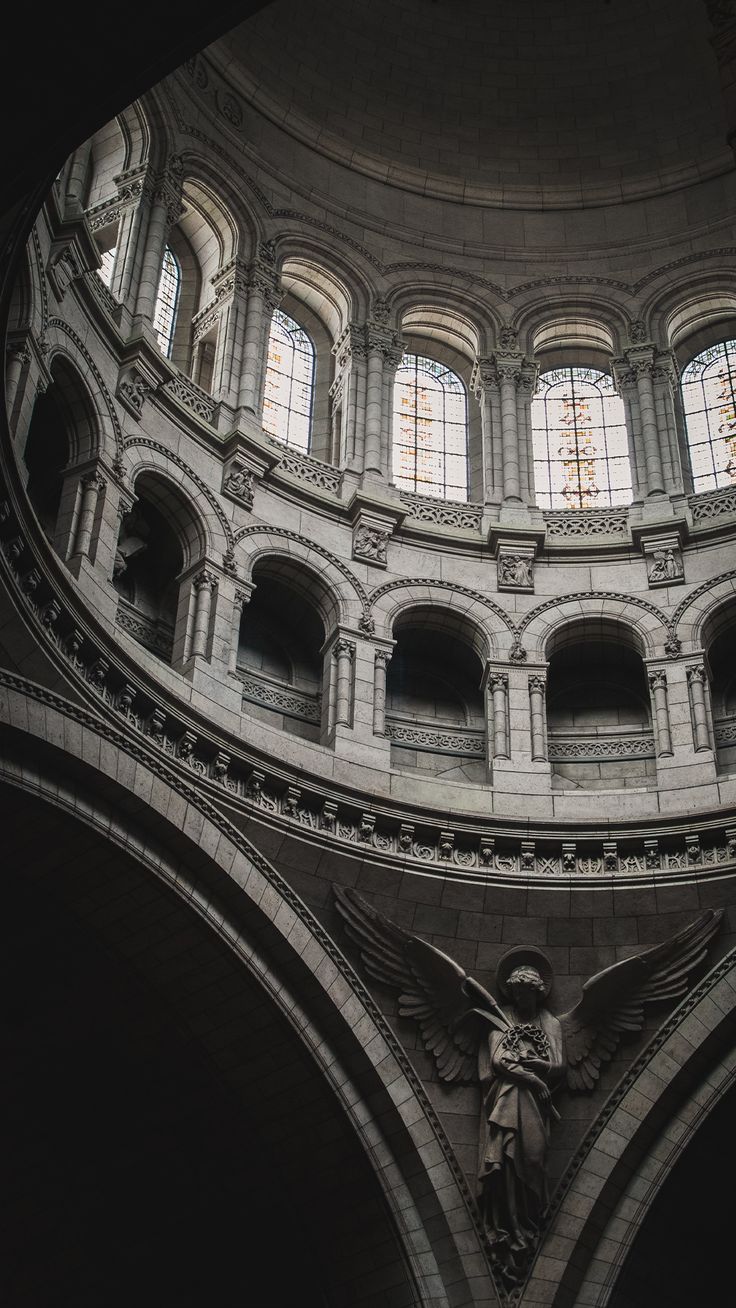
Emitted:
<point x="152" y="633"/>
<point x="475" y="851"/>
<point x="580" y="749"/>
<point x="432" y="583"/>
<point x="578" y="523"/>
<point x="443" y="513"/>
<point x="187" y="392"/>
<point x="325" y="476"/>
<point x="725" y="730"/>
<point x="712" y="504"/>
<point x="435" y="739"/>
<point x="292" y="703"/>
<point x="583" y="595"/>
<point x="695" y="594"/>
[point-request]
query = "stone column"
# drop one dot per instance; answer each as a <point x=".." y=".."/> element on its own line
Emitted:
<point x="231" y="295"/>
<point x="165" y="211"/>
<point x="382" y="660"/>
<point x="263" y="297"/>
<point x="18" y="354"/>
<point x="696" y="684"/>
<point x="76" y="178"/>
<point x="381" y="346"/>
<point x="240" y="599"/>
<point x="484" y="383"/>
<point x="636" y="370"/>
<point x="498" y="685"/>
<point x="348" y="392"/>
<point x="509" y="372"/>
<point x="537" y="691"/>
<point x="203" y="585"/>
<point x="135" y="191"/>
<point x="658" y="687"/>
<point x="344" y="653"/>
<point x="91" y="486"/>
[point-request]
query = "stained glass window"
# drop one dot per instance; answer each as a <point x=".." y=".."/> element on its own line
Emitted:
<point x="287" y="404"/>
<point x="430" y="437"/>
<point x="709" y="399"/>
<point x="167" y="300"/>
<point x="581" y="452"/>
<point x="108" y="263"/>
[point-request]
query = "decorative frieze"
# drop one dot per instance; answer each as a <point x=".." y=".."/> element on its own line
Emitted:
<point x="312" y="471"/>
<point x="436" y="740"/>
<point x="186" y="392"/>
<point x="444" y="513"/>
<point x="291" y="703"/>
<point x="713" y="504"/>
<point x="583" y="523"/>
<point x="580" y="749"/>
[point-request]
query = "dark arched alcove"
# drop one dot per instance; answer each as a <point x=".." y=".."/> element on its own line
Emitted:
<point x="280" y="655"/>
<point x="168" y="1140"/>
<point x="682" y="1254"/>
<point x="46" y="456"/>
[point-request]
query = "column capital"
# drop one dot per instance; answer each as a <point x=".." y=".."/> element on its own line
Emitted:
<point x="538" y="684"/>
<point x="484" y="376"/>
<point x="658" y="679"/>
<point x="696" y="674"/>
<point x="343" y="646"/>
<point x="205" y="580"/>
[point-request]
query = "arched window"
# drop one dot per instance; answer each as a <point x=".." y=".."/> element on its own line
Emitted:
<point x="709" y="400"/>
<point x="581" y="452"/>
<point x="287" y="404"/>
<point x="430" y="437"/>
<point x="167" y="301"/>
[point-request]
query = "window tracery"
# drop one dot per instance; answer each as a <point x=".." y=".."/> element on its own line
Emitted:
<point x="430" y="429"/>
<point x="709" y="401"/>
<point x="167" y="301"/>
<point x="289" y="390"/>
<point x="581" y="455"/>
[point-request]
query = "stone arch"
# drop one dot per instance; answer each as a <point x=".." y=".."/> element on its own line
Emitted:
<point x="456" y="316"/>
<point x="213" y="531"/>
<point x="594" y="323"/>
<point x="106" y="442"/>
<point x="178" y="511"/>
<point x="329" y="268"/>
<point x="682" y="308"/>
<point x="325" y="580"/>
<point x="181" y="839"/>
<point x="631" y="1148"/>
<point x="460" y="607"/>
<point x="240" y="229"/>
<point x="643" y="619"/>
<point x="699" y="609"/>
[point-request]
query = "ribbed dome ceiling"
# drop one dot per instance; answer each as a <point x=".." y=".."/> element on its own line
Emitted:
<point x="553" y="101"/>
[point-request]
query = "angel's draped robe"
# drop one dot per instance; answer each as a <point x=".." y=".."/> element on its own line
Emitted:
<point x="514" y="1125"/>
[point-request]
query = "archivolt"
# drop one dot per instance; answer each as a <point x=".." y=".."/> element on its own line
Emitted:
<point x="351" y="600"/>
<point x="649" y="623"/>
<point x="159" y="459"/>
<point x="259" y="917"/>
<point x="703" y="601"/>
<point x="100" y="398"/>
<point x="647" y="1121"/>
<point x="397" y="597"/>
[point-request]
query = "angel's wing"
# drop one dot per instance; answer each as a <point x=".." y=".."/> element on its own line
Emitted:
<point x="453" y="1011"/>
<point x="613" y="1001"/>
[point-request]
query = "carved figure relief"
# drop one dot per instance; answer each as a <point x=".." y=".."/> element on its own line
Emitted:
<point x="515" y="572"/>
<point x="519" y="1053"/>
<point x="371" y="544"/>
<point x="665" y="566"/>
<point x="238" y="484"/>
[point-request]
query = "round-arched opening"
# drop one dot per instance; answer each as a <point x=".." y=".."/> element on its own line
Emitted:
<point x="62" y="436"/>
<point x="687" y="1214"/>
<point x="719" y="640"/>
<point x="599" y="721"/>
<point x="168" y="1134"/>
<point x="279" y="657"/>
<point x="435" y="716"/>
<point x="149" y="560"/>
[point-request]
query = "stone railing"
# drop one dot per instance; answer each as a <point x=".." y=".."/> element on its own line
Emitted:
<point x="152" y="633"/>
<point x="581" y="749"/>
<point x="713" y="504"/>
<point x="280" y="698"/>
<point x="187" y="392"/>
<point x="313" y="471"/>
<point x="574" y="524"/>
<point x="443" y="513"/>
<point x="436" y="739"/>
<point x="102" y="292"/>
<point x="725" y="731"/>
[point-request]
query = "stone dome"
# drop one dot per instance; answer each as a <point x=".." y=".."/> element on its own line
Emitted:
<point x="543" y="105"/>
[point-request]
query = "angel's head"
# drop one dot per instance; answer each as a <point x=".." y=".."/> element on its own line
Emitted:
<point x="525" y="982"/>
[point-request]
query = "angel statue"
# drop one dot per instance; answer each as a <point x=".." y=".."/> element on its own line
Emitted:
<point x="519" y="1053"/>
